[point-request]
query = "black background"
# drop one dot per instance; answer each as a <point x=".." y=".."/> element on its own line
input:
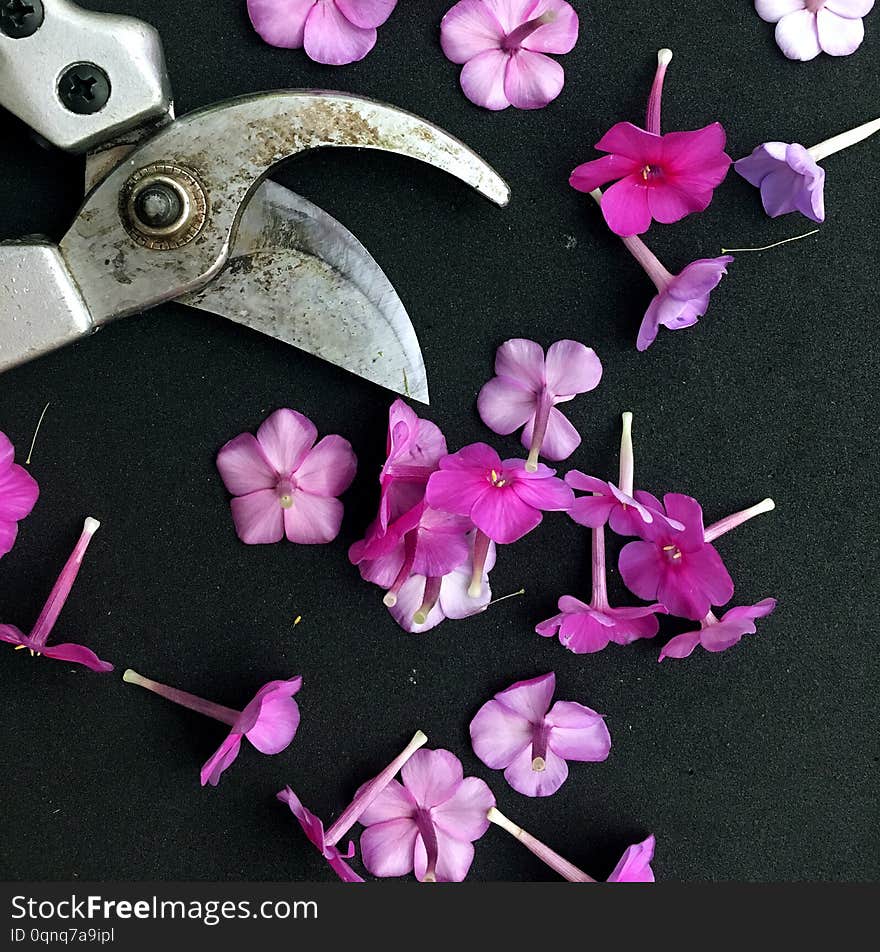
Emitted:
<point x="760" y="763"/>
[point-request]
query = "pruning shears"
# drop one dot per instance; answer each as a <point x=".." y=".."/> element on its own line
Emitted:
<point x="181" y="208"/>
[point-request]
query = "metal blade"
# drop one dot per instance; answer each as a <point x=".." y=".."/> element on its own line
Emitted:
<point x="297" y="274"/>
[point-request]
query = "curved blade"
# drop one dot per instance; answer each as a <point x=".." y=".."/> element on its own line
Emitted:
<point x="297" y="274"/>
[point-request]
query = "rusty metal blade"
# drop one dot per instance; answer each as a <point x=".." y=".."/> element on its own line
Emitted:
<point x="297" y="274"/>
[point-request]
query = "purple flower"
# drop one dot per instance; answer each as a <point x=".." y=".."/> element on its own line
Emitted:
<point x="527" y="388"/>
<point x="586" y="629"/>
<point x="805" y="28"/>
<point x="502" y="44"/>
<point x="333" y="32"/>
<point x="269" y="721"/>
<point x="678" y="568"/>
<point x="789" y="178"/>
<point x="284" y="484"/>
<point x="326" y="841"/>
<point x="634" y="866"/>
<point x="625" y="513"/>
<point x="428" y="823"/>
<point x="18" y="494"/>
<point x="36" y="641"/>
<point x="719" y="634"/>
<point x="519" y="733"/>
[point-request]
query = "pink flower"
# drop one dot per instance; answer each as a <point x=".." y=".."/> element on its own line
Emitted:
<point x="326" y="841"/>
<point x="36" y="641"/>
<point x="334" y="32"/>
<point x="269" y="721"/>
<point x="18" y="494"/>
<point x="805" y="28"/>
<point x="428" y="823"/>
<point x="657" y="177"/>
<point x="719" y="634"/>
<point x="634" y="866"/>
<point x="502" y="44"/>
<point x="503" y="500"/>
<point x="284" y="484"/>
<point x="527" y="389"/>
<point x="519" y="733"/>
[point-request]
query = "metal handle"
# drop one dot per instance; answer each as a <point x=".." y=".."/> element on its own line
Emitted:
<point x="40" y="306"/>
<point x="76" y="77"/>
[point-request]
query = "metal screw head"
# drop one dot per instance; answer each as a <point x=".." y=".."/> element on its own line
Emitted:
<point x="20" y="18"/>
<point x="84" y="88"/>
<point x="163" y="206"/>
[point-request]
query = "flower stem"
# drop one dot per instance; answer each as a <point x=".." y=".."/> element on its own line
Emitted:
<point x="664" y="57"/>
<point x="409" y="556"/>
<point x="481" y="551"/>
<point x="429" y="599"/>
<point x="627" y="458"/>
<point x="539" y="430"/>
<point x="514" y="39"/>
<point x="61" y="589"/>
<point x="600" y="579"/>
<point x="711" y="533"/>
<point x="556" y="862"/>
<point x="224" y="714"/>
<point x="368" y="793"/>
<point x="844" y="140"/>
<point x="428" y="833"/>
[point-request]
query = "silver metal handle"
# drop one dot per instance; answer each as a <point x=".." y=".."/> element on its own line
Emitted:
<point x="76" y="77"/>
<point x="40" y="306"/>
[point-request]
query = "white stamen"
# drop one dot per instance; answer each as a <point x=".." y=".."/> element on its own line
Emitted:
<point x="499" y="819"/>
<point x="664" y="57"/>
<point x="91" y="526"/>
<point x="776" y="244"/>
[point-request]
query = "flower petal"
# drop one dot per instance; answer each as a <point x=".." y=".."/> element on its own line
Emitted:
<point x="521" y="360"/>
<point x="258" y="517"/>
<point x="571" y="367"/>
<point x="244" y="467"/>
<point x="625" y="207"/>
<point x="578" y="732"/>
<point x="669" y="204"/>
<point x="468" y="29"/>
<point x="505" y="404"/>
<point x="328" y="469"/>
<point x="18" y="493"/>
<point x="456" y="491"/>
<point x="280" y="22"/>
<point x="641" y="568"/>
<point x="706" y="567"/>
<point x="463" y="815"/>
<point x="366" y="13"/>
<point x="852" y="9"/>
<point x="482" y="80"/>
<point x="409" y="600"/>
<point x="560" y="35"/>
<point x="635" y="143"/>
<point x="538" y="489"/>
<point x="592" y="511"/>
<point x="455" y="601"/>
<point x="561" y="438"/>
<point x="797" y="36"/>
<point x="681" y="646"/>
<point x="598" y="172"/>
<point x="635" y="864"/>
<point x="276" y="726"/>
<point x="838" y="35"/>
<point x="286" y="436"/>
<point x="432" y="776"/>
<point x="530" y="699"/>
<point x="536" y="783"/>
<point x="387" y="848"/>
<point x="499" y="734"/>
<point x="313" y="520"/>
<point x="394" y="802"/>
<point x="222" y="758"/>
<point x="772" y="11"/>
<point x="330" y="38"/>
<point x="511" y="13"/>
<point x="454" y="858"/>
<point x="503" y="515"/>
<point x="8" y="535"/>
<point x="582" y="632"/>
<point x="78" y="654"/>
<point x="532" y="80"/>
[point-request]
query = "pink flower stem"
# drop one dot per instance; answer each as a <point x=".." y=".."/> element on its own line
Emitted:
<point x="409" y="556"/>
<point x="429" y="838"/>
<point x="556" y="862"/>
<point x="711" y="533"/>
<point x="539" y="431"/>
<point x="481" y="551"/>
<point x="540" y="738"/>
<point x="61" y="589"/>
<point x="600" y="579"/>
<point x="368" y="793"/>
<point x="664" y="57"/>
<point x="429" y="599"/>
<point x="514" y="39"/>
<point x="224" y="714"/>
<point x="408" y="473"/>
<point x="627" y="458"/>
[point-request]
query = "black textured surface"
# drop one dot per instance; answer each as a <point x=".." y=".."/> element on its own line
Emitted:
<point x="760" y="763"/>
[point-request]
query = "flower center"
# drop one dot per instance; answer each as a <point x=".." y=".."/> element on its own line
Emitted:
<point x="497" y="479"/>
<point x="814" y="6"/>
<point x="514" y="40"/>
<point x="672" y="552"/>
<point x="285" y="490"/>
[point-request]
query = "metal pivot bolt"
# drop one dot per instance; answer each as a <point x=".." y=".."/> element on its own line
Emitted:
<point x="20" y="18"/>
<point x="163" y="206"/>
<point x="84" y="88"/>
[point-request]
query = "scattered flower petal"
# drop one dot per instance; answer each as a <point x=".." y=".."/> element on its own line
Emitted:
<point x="719" y="634"/>
<point x="18" y="494"/>
<point x="805" y="28"/>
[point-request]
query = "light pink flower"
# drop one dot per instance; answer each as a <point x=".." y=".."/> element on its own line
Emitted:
<point x="503" y="46"/>
<point x="284" y="484"/>
<point x="428" y="823"/>
<point x="18" y="494"/>
<point x="719" y="634"/>
<point x="269" y="721"/>
<point x="518" y="732"/>
<point x="36" y="641"/>
<point x="527" y="389"/>
<point x="334" y="32"/>
<point x="805" y="28"/>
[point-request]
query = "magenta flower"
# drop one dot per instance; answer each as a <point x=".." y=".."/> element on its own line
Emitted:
<point x="805" y="28"/>
<point x="527" y="389"/>
<point x="503" y="46"/>
<point x="326" y="841"/>
<point x="333" y="32"/>
<point x="423" y="602"/>
<point x="790" y="177"/>
<point x="657" y="177"/>
<point x="36" y="641"/>
<point x="427" y="824"/>
<point x="633" y="867"/>
<point x="18" y="494"/>
<point x="284" y="484"/>
<point x="719" y="634"/>
<point x="518" y="732"/>
<point x="269" y="721"/>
